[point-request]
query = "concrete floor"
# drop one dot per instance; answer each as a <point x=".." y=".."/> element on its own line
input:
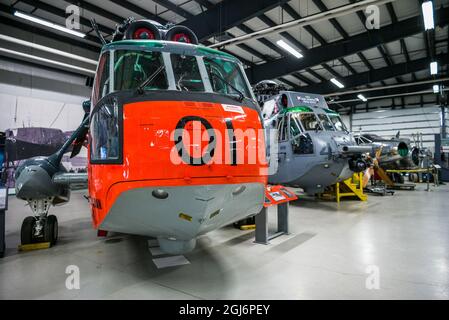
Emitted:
<point x="327" y="256"/>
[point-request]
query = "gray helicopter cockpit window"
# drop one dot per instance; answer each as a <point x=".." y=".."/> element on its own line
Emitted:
<point x="325" y="122"/>
<point x="226" y="77"/>
<point x="301" y="141"/>
<point x="132" y="67"/>
<point x="309" y="121"/>
<point x="187" y="73"/>
<point x="295" y="128"/>
<point x="338" y="123"/>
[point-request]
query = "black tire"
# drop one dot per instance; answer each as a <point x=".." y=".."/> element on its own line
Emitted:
<point x="398" y="178"/>
<point x="51" y="230"/>
<point x="2" y="251"/>
<point x="26" y="232"/>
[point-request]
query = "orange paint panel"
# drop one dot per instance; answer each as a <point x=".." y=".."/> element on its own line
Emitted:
<point x="147" y="131"/>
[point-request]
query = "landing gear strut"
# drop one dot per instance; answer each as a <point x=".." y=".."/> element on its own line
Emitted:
<point x="42" y="227"/>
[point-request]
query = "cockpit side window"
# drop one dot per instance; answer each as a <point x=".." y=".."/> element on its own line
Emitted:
<point x="301" y="141"/>
<point x="295" y="128"/>
<point x="338" y="123"/>
<point x="282" y="129"/>
<point x="187" y="73"/>
<point x="131" y="68"/>
<point x="101" y="87"/>
<point x="105" y="133"/>
<point x="325" y="122"/>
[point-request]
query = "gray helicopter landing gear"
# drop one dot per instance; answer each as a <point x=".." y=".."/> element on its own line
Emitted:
<point x="42" y="227"/>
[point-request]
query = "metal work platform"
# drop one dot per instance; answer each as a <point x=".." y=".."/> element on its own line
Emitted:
<point x="352" y="187"/>
<point x="430" y="170"/>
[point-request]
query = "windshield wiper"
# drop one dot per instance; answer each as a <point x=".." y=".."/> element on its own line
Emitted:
<point x="241" y="95"/>
<point x="149" y="80"/>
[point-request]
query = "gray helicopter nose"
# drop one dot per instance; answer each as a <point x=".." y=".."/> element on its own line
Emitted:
<point x="34" y="183"/>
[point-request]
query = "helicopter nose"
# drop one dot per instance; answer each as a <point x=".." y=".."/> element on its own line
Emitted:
<point x="34" y="182"/>
<point x="357" y="165"/>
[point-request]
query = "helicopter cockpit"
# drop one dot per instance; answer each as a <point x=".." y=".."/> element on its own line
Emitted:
<point x="298" y="123"/>
<point x="130" y="65"/>
<point x="146" y="60"/>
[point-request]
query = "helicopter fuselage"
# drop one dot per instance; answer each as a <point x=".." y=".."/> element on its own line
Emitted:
<point x="314" y="148"/>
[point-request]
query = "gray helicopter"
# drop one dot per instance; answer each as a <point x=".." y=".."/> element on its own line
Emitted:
<point x="315" y="149"/>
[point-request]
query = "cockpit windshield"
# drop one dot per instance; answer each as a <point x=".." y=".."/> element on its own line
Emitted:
<point x="187" y="73"/>
<point x="131" y="68"/>
<point x="160" y="70"/>
<point x="338" y="123"/>
<point x="309" y="121"/>
<point x="226" y="77"/>
<point x="325" y="122"/>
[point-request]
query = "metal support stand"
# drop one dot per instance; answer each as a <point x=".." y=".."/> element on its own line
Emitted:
<point x="2" y="233"/>
<point x="262" y="234"/>
<point x="3" y="208"/>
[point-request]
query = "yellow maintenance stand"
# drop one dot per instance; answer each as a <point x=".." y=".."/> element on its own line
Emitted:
<point x="352" y="187"/>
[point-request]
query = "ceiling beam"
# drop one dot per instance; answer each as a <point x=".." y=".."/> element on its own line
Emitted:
<point x="61" y="13"/>
<point x="291" y="84"/>
<point x="139" y="10"/>
<point x="315" y="35"/>
<point x="205" y="3"/>
<point x="375" y="75"/>
<point x="226" y="15"/>
<point x="388" y="92"/>
<point x="342" y="48"/>
<point x="263" y="41"/>
<point x="175" y="8"/>
<point x="97" y="10"/>
<point x="362" y="19"/>
<point x="36" y="29"/>
<point x="270" y="23"/>
<point x="303" y="78"/>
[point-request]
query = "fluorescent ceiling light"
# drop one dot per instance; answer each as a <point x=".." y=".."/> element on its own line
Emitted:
<point x="361" y="97"/>
<point x="337" y="83"/>
<point x="284" y="45"/>
<point x="436" y="88"/>
<point x="45" y="60"/>
<point x="427" y="11"/>
<point x="433" y="68"/>
<point x="47" y="49"/>
<point x="48" y="24"/>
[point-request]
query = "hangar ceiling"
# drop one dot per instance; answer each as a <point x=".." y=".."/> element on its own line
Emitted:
<point x="379" y="63"/>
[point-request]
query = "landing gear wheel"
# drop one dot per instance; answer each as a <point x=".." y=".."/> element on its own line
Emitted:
<point x="27" y="230"/>
<point x="397" y="178"/>
<point x="51" y="230"/>
<point x="413" y="177"/>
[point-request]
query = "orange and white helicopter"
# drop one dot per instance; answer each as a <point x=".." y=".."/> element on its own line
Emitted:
<point x="154" y="89"/>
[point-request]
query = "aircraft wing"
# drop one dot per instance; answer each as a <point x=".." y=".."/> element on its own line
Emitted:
<point x="73" y="180"/>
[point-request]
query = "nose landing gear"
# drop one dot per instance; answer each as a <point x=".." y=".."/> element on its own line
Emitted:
<point x="42" y="227"/>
